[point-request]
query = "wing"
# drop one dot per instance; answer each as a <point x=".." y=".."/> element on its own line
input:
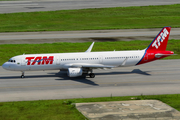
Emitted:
<point x="86" y="65"/>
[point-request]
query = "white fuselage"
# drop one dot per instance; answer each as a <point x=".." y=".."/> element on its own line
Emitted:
<point x="78" y="63"/>
<point x="31" y="62"/>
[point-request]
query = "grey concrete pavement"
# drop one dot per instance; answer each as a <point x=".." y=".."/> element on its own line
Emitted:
<point x="48" y="5"/>
<point x="83" y="36"/>
<point x="128" y="110"/>
<point x="158" y="77"/>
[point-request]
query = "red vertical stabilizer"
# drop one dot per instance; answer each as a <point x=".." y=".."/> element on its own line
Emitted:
<point x="157" y="48"/>
<point x="160" y="41"/>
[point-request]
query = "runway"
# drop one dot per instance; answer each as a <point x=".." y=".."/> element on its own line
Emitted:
<point x="48" y="5"/>
<point x="84" y="36"/>
<point x="158" y="77"/>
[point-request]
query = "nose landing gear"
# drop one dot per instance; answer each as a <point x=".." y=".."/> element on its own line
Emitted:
<point x="22" y="76"/>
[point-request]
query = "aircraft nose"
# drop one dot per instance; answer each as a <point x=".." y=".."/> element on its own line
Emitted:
<point x="5" y="66"/>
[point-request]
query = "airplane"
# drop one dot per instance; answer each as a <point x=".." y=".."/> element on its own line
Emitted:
<point x="84" y="62"/>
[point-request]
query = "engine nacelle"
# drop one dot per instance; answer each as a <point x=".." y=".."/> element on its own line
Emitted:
<point x="74" y="72"/>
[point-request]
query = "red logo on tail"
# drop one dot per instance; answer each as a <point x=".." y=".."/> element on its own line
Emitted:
<point x="160" y="38"/>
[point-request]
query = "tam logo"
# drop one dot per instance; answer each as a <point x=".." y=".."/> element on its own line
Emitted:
<point x="40" y="60"/>
<point x="160" y="38"/>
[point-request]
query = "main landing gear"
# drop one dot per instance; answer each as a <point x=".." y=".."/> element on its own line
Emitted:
<point x="22" y="76"/>
<point x="91" y="75"/>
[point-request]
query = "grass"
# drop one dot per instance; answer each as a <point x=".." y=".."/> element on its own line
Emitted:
<point x="93" y="19"/>
<point x="86" y="19"/>
<point x="65" y="109"/>
<point x="39" y="110"/>
<point x="9" y="50"/>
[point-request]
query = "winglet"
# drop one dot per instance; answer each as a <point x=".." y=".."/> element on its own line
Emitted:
<point x="90" y="48"/>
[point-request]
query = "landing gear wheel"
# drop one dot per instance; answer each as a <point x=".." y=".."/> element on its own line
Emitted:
<point x="91" y="75"/>
<point x="22" y="76"/>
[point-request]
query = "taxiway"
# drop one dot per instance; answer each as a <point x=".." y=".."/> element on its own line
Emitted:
<point x="52" y="5"/>
<point x="83" y="36"/>
<point x="158" y="77"/>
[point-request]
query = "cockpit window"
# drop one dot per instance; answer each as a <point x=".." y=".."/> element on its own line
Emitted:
<point x="11" y="61"/>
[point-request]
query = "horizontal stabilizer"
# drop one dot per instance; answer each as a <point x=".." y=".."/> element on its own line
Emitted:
<point x="161" y="55"/>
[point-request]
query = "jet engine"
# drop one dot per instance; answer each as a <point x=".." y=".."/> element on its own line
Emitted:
<point x="74" y="72"/>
